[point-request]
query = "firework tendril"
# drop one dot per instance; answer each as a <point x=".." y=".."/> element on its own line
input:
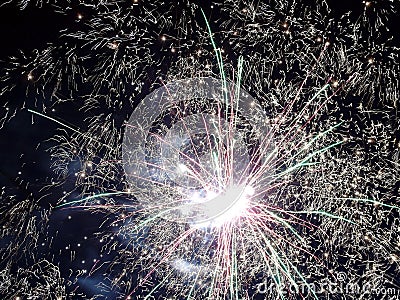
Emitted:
<point x="236" y="150"/>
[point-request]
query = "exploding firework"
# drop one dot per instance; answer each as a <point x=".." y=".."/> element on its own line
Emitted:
<point x="229" y="151"/>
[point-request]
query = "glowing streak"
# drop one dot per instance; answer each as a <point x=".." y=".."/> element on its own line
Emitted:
<point x="375" y="202"/>
<point x="66" y="126"/>
<point x="322" y="213"/>
<point x="220" y="62"/>
<point x="92" y="197"/>
<point x="304" y="161"/>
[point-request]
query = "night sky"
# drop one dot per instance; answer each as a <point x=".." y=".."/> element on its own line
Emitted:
<point x="85" y="245"/>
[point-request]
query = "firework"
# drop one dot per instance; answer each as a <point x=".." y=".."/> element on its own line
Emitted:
<point x="232" y="151"/>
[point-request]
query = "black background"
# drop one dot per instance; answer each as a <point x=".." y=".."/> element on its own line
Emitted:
<point x="31" y="29"/>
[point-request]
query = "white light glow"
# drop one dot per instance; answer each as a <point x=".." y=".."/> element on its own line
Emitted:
<point x="224" y="207"/>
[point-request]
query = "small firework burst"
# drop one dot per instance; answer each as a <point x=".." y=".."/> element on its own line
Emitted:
<point x="229" y="151"/>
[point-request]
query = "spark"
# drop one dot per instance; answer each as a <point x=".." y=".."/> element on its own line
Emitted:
<point x="256" y="144"/>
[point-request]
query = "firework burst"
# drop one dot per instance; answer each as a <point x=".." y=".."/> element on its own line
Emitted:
<point x="240" y="150"/>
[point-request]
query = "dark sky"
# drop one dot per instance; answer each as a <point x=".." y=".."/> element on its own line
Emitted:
<point x="32" y="28"/>
<point x="22" y="146"/>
